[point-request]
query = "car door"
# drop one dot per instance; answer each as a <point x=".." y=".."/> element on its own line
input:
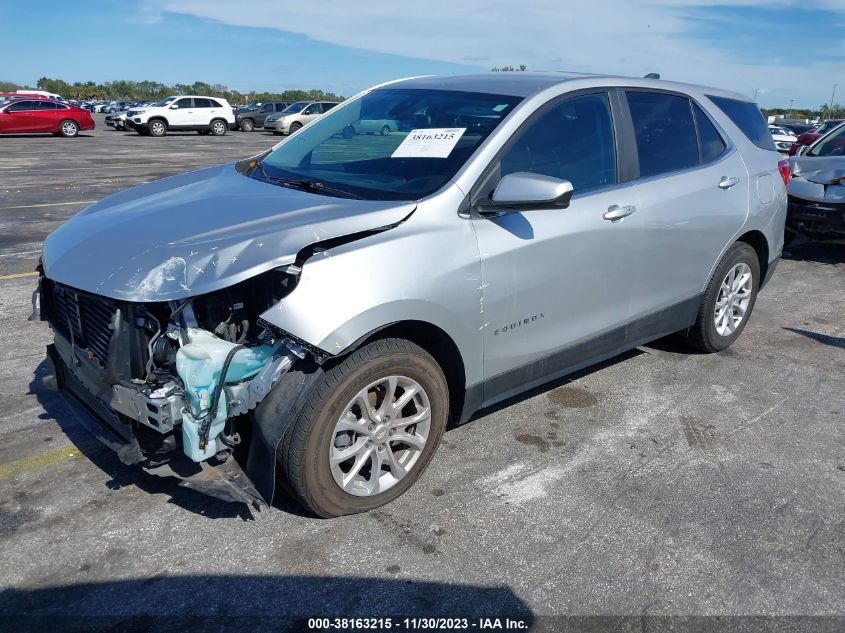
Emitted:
<point x="309" y="113"/>
<point x="184" y="115"/>
<point x="213" y="110"/>
<point x="556" y="282"/>
<point x="263" y="112"/>
<point x="691" y="199"/>
<point x="18" y="117"/>
<point x="204" y="111"/>
<point x="46" y="116"/>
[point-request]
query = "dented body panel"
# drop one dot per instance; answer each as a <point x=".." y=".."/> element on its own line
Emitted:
<point x="198" y="232"/>
<point x="347" y="292"/>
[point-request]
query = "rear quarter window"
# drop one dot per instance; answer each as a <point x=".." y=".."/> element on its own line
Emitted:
<point x="748" y="118"/>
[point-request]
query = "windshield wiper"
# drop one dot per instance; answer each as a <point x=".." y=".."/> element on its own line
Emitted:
<point x="314" y="186"/>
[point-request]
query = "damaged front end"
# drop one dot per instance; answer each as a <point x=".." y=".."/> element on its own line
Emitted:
<point x="172" y="386"/>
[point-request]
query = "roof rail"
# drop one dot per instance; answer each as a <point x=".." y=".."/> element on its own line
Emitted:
<point x="652" y="76"/>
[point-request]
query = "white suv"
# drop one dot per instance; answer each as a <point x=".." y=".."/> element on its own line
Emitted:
<point x="205" y="115"/>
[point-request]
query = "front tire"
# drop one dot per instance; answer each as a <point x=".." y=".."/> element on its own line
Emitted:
<point x="367" y="431"/>
<point x="728" y="300"/>
<point x="157" y="127"/>
<point x="294" y="127"/>
<point x="68" y="128"/>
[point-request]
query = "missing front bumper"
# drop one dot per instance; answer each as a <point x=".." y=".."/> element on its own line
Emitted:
<point x="222" y="479"/>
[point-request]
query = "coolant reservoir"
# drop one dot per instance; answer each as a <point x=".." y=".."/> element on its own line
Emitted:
<point x="199" y="365"/>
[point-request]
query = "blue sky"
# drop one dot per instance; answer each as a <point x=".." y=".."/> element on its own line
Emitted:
<point x="782" y="49"/>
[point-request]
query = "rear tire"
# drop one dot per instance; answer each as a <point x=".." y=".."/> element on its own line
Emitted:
<point x="157" y="127"/>
<point x="718" y="326"/>
<point x="385" y="130"/>
<point x="218" y="127"/>
<point x="247" y="125"/>
<point x="332" y="421"/>
<point x="68" y="128"/>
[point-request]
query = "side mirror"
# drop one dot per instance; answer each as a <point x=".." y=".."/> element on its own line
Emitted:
<point x="522" y="191"/>
<point x="174" y="107"/>
<point x="802" y="150"/>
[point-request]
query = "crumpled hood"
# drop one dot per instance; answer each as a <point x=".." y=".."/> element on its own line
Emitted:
<point x="818" y="178"/>
<point x="199" y="232"/>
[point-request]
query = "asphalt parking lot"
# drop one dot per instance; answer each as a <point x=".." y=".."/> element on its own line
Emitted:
<point x="662" y="483"/>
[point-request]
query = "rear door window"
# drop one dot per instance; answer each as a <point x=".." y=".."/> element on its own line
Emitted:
<point x="47" y="105"/>
<point x="202" y="103"/>
<point x="665" y="132"/>
<point x="748" y="118"/>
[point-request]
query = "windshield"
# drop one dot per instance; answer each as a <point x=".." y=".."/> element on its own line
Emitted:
<point x="293" y="108"/>
<point x="390" y="144"/>
<point x="831" y="145"/>
<point x="164" y="102"/>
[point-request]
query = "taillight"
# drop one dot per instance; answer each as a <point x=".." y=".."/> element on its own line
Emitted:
<point x="783" y="168"/>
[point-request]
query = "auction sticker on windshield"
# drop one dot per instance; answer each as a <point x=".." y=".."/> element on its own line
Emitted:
<point x="436" y="142"/>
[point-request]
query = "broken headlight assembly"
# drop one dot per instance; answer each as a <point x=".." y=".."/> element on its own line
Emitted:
<point x="172" y="377"/>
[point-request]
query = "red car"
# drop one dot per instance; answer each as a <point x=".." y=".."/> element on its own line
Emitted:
<point x="808" y="138"/>
<point x="43" y="115"/>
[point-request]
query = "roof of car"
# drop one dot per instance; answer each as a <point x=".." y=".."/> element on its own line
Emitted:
<point x="524" y="84"/>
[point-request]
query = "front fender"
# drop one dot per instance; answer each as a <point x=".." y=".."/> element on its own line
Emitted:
<point x="418" y="271"/>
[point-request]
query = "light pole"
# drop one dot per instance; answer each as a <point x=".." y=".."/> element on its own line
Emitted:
<point x="830" y="109"/>
<point x="756" y="90"/>
<point x="790" y="107"/>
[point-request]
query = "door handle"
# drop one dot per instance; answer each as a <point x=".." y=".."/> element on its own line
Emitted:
<point x="615" y="212"/>
<point x="727" y="183"/>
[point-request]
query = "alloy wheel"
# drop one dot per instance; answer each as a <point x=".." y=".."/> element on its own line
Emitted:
<point x="733" y="299"/>
<point x="69" y="128"/>
<point x="380" y="436"/>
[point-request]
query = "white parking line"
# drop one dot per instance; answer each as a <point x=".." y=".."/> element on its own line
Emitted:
<point x="18" y="276"/>
<point x="49" y="204"/>
<point x="19" y="253"/>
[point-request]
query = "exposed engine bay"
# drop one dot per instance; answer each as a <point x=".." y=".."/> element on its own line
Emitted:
<point x="176" y="378"/>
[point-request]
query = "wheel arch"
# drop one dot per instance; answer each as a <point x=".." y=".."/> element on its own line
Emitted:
<point x="433" y="340"/>
<point x="158" y="117"/>
<point x="756" y="240"/>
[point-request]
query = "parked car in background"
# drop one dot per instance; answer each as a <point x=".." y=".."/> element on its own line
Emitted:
<point x="808" y="138"/>
<point x="117" y="120"/>
<point x="817" y="190"/>
<point x="204" y="115"/>
<point x="116" y="106"/>
<point x="375" y="126"/>
<point x="29" y="92"/>
<point x="601" y="213"/>
<point x="297" y="115"/>
<point x="10" y="96"/>
<point x="247" y="119"/>
<point x="796" y="128"/>
<point x="782" y="137"/>
<point x="41" y="115"/>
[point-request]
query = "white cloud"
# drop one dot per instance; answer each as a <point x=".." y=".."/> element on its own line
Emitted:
<point x="606" y="36"/>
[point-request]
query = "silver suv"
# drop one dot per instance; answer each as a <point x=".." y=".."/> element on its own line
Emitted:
<point x="329" y="305"/>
